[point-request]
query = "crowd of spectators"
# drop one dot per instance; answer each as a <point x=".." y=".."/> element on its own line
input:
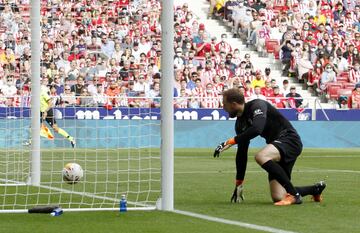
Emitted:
<point x="319" y="41"/>
<point x="107" y="53"/>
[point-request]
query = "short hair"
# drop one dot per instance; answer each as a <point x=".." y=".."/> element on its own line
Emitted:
<point x="157" y="75"/>
<point x="233" y="95"/>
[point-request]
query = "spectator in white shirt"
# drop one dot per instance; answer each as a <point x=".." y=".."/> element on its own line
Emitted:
<point x="257" y="94"/>
<point x="100" y="98"/>
<point x="285" y="89"/>
<point x="64" y="62"/>
<point x="107" y="46"/>
<point x="141" y="85"/>
<point x="118" y="52"/>
<point x="74" y="71"/>
<point x="311" y="9"/>
<point x="155" y="91"/>
<point x="68" y="98"/>
<point x="178" y="59"/>
<point x="9" y="88"/>
<point x="136" y="51"/>
<point x="93" y="86"/>
<point x="144" y="45"/>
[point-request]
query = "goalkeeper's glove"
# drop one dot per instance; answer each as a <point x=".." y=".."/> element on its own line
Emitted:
<point x="223" y="146"/>
<point x="238" y="195"/>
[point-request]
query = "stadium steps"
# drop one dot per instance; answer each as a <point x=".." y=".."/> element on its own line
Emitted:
<point x="217" y="27"/>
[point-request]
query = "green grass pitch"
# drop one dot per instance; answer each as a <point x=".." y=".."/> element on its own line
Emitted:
<point x="204" y="185"/>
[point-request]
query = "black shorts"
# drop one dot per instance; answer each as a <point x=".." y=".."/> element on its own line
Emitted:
<point x="50" y="119"/>
<point x="290" y="146"/>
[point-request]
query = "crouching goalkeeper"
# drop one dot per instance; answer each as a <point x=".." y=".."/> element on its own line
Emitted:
<point x="277" y="158"/>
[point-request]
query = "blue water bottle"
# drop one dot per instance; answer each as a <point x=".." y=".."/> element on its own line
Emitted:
<point x="123" y="203"/>
<point x="57" y="212"/>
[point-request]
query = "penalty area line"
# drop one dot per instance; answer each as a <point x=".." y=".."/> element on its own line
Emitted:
<point x="232" y="222"/>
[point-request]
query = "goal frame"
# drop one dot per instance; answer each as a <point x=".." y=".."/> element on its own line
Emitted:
<point x="166" y="200"/>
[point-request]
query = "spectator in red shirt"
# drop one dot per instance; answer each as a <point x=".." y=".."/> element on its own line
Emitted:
<point x="223" y="45"/>
<point x="354" y="74"/>
<point x="267" y="91"/>
<point x="112" y="91"/>
<point x="277" y="98"/>
<point x="310" y="39"/>
<point x="209" y="98"/>
<point x="75" y="54"/>
<point x="355" y="97"/>
<point x="205" y="47"/>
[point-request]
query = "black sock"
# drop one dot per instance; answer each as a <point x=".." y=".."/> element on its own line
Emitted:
<point x="306" y="190"/>
<point x="276" y="171"/>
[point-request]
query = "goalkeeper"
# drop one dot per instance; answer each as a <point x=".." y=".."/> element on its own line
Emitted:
<point x="47" y="114"/>
<point x="277" y="158"/>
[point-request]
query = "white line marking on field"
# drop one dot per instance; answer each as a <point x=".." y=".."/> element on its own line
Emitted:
<point x="302" y="157"/>
<point x="333" y="171"/>
<point x="330" y="156"/>
<point x="11" y="183"/>
<point x="232" y="222"/>
<point x="260" y="171"/>
<point x="115" y="200"/>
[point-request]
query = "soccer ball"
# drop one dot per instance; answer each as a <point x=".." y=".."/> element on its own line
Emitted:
<point x="72" y="173"/>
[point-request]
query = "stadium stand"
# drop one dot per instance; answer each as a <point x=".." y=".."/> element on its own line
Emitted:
<point x="319" y="31"/>
<point x="114" y="48"/>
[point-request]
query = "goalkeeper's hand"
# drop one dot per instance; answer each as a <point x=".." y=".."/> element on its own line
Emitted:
<point x="223" y="146"/>
<point x="238" y="195"/>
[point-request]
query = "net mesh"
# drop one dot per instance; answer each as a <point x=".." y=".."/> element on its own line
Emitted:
<point x="118" y="150"/>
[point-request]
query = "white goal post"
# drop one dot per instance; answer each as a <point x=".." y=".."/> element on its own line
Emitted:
<point x="118" y="156"/>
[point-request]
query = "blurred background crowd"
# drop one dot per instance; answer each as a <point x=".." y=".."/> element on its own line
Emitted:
<point x="107" y="53"/>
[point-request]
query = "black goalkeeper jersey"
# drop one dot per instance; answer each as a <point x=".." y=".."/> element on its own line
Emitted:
<point x="261" y="118"/>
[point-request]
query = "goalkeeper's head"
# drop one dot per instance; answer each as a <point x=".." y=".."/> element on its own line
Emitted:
<point x="234" y="102"/>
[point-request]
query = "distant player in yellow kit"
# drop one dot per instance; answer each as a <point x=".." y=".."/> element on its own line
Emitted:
<point x="47" y="114"/>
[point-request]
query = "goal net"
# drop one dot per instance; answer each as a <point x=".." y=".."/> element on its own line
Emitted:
<point x="118" y="149"/>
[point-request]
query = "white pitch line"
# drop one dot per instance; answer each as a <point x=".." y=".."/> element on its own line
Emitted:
<point x="11" y="183"/>
<point x="91" y="195"/>
<point x="260" y="171"/>
<point x="232" y="222"/>
<point x="330" y="156"/>
<point x="302" y="157"/>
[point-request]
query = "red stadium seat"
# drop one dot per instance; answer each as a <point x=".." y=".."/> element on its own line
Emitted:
<point x="339" y="84"/>
<point x="342" y="79"/>
<point x="345" y="74"/>
<point x="280" y="8"/>
<point x="344" y="92"/>
<point x="349" y="85"/>
<point x="271" y="46"/>
<point x="332" y="90"/>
